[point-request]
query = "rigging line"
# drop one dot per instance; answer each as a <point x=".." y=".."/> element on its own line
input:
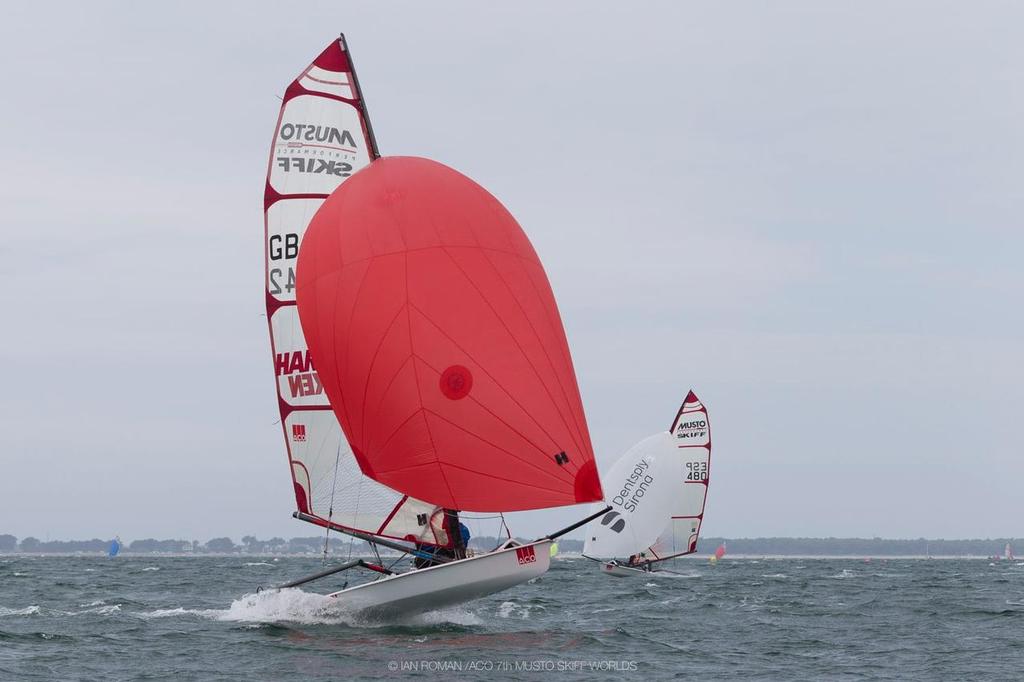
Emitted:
<point x="355" y="514"/>
<point x="508" y="532"/>
<point x="330" y="510"/>
<point x="395" y="562"/>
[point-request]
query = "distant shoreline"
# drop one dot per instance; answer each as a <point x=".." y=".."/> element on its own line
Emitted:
<point x="339" y="545"/>
<point x="564" y="557"/>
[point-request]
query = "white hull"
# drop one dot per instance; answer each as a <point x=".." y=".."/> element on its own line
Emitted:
<point x="619" y="571"/>
<point x="444" y="585"/>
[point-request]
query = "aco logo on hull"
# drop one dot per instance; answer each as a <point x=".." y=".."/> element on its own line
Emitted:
<point x="526" y="555"/>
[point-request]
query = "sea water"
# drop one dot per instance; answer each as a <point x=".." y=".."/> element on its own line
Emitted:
<point x="199" y="618"/>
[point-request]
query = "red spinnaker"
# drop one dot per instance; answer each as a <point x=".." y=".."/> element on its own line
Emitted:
<point x="438" y="341"/>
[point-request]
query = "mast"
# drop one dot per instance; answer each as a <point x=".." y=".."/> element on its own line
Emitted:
<point x="367" y="121"/>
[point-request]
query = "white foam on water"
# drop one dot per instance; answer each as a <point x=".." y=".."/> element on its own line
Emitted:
<point x="27" y="611"/>
<point x="456" y="616"/>
<point x="650" y="584"/>
<point x="151" y="568"/>
<point x="304" y="608"/>
<point x="845" y="573"/>
<point x="180" y="611"/>
<point x="510" y="609"/>
<point x="98" y="602"/>
<point x="780" y="576"/>
<point x="257" y="563"/>
<point x="289" y="606"/>
<point x="107" y="610"/>
<point x="309" y="608"/>
<point x="25" y="575"/>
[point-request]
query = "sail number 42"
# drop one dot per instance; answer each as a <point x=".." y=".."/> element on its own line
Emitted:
<point x="277" y="276"/>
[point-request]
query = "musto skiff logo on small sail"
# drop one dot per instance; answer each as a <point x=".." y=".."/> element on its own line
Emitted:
<point x="298" y="367"/>
<point x="526" y="555"/>
<point x="695" y="428"/>
<point x="634" y="487"/>
<point x="308" y="148"/>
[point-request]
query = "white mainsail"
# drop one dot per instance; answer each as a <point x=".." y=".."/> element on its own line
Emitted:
<point x="691" y="432"/>
<point x="323" y="136"/>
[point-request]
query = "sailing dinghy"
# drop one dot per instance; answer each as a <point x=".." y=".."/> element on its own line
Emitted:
<point x="421" y="364"/>
<point x="658" y="491"/>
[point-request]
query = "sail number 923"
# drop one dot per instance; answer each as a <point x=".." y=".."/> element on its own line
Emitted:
<point x="696" y="471"/>
<point x="283" y="247"/>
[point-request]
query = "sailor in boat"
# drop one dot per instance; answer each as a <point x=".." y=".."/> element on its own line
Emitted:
<point x="639" y="561"/>
<point x="459" y="536"/>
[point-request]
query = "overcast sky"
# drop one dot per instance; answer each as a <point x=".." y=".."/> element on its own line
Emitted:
<point x="809" y="212"/>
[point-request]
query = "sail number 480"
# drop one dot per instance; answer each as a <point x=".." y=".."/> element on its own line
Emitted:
<point x="696" y="471"/>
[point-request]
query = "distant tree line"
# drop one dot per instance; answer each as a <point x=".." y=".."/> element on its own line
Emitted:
<point x="338" y="544"/>
<point x="859" y="546"/>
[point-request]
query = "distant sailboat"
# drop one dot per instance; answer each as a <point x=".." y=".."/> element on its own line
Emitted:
<point x="659" y="489"/>
<point x="442" y="378"/>
<point x="115" y="547"/>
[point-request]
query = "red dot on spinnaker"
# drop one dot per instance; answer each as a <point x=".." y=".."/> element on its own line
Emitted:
<point x="456" y="381"/>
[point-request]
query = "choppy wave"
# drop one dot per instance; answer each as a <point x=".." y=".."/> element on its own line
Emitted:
<point x="27" y="611"/>
<point x="672" y="575"/>
<point x="515" y="610"/>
